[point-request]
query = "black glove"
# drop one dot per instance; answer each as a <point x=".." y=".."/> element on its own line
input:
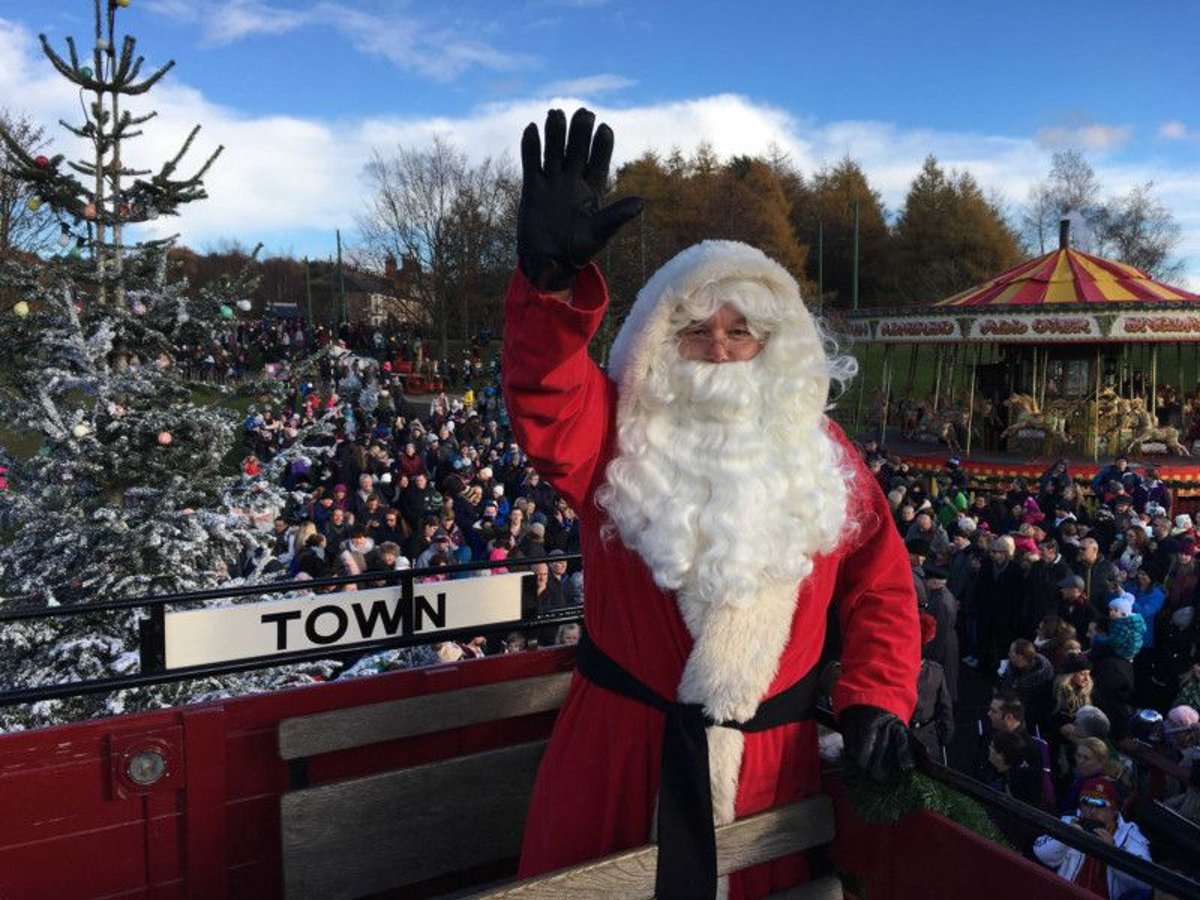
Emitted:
<point x="876" y="741"/>
<point x="561" y="226"/>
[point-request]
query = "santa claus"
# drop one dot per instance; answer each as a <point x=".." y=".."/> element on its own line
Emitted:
<point x="721" y="515"/>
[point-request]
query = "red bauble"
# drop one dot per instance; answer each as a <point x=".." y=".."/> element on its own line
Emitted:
<point x="41" y="162"/>
<point x="164" y="438"/>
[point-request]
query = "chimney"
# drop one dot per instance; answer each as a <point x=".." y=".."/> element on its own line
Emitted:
<point x="389" y="267"/>
<point x="1064" y="234"/>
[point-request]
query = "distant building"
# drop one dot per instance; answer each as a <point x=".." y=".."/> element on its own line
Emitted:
<point x="387" y="300"/>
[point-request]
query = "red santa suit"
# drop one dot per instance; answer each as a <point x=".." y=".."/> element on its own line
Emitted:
<point x="596" y="790"/>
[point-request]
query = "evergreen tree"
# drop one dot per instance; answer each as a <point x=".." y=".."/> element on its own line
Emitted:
<point x="125" y="487"/>
<point x="95" y="199"/>
<point x="948" y="237"/>
<point x="823" y="214"/>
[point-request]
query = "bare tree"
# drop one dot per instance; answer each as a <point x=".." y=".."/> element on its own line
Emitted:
<point x="1071" y="187"/>
<point x="22" y="229"/>
<point x="452" y="222"/>
<point x="1138" y="230"/>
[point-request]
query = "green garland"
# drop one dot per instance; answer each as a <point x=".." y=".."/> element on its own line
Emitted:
<point x="888" y="803"/>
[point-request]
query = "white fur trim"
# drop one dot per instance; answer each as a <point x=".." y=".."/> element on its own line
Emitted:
<point x="736" y="652"/>
<point x="704" y="263"/>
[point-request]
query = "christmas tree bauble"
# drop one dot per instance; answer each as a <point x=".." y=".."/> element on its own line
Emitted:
<point x="81" y="430"/>
<point x="21" y="309"/>
<point x="244" y="305"/>
<point x="87" y="73"/>
<point x="34" y="203"/>
<point x="226" y="311"/>
<point x="164" y="438"/>
<point x="41" y="161"/>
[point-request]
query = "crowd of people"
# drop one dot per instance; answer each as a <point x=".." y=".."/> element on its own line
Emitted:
<point x="1075" y="609"/>
<point x="1073" y="603"/>
<point x="395" y="487"/>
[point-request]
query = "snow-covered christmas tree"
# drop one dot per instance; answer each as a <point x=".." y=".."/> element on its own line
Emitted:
<point x="126" y="487"/>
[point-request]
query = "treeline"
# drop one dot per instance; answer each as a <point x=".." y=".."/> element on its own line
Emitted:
<point x="947" y="236"/>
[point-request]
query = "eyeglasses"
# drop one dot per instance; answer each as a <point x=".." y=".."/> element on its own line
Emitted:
<point x="737" y="342"/>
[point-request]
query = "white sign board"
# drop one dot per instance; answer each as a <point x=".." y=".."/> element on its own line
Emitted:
<point x="907" y="330"/>
<point x="1047" y="328"/>
<point x="1171" y="325"/>
<point x="200" y="636"/>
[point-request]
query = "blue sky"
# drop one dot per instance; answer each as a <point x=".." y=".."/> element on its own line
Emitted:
<point x="301" y="92"/>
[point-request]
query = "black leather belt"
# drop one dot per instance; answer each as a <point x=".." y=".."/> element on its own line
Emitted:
<point x="687" y="844"/>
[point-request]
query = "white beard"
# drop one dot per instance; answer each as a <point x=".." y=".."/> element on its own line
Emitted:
<point x="724" y="484"/>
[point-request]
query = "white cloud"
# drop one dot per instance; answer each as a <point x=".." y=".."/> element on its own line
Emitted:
<point x="1173" y="131"/>
<point x="405" y="41"/>
<point x="286" y="179"/>
<point x="591" y="85"/>
<point x="1093" y="136"/>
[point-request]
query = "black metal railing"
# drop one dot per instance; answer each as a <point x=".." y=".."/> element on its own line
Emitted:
<point x="153" y="671"/>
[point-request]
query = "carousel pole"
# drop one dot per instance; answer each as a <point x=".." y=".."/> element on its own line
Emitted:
<point x="1033" y="391"/>
<point x="951" y="372"/>
<point x="887" y="393"/>
<point x="971" y="398"/>
<point x="1096" y="410"/>
<point x="912" y="371"/>
<point x="862" y="386"/>
<point x="939" y="359"/>
<point x="1152" y="406"/>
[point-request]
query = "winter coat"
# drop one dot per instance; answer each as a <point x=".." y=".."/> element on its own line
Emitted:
<point x="606" y="750"/>
<point x="933" y="718"/>
<point x="1067" y="861"/>
<point x="1124" y="637"/>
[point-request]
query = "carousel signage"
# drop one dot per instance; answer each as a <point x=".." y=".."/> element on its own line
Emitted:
<point x="1151" y="326"/>
<point x="910" y="330"/>
<point x="1034" y="328"/>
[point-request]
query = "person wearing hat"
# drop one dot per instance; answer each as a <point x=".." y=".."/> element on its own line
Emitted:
<point x="1096" y="572"/>
<point x="1183" y="576"/>
<point x="933" y="718"/>
<point x="942" y="605"/>
<point x="696" y="596"/>
<point x="1099" y="815"/>
<point x="1073" y="606"/>
<point x="1151" y="491"/>
<point x="534" y="542"/>
<point x="918" y="552"/>
<point x="998" y="591"/>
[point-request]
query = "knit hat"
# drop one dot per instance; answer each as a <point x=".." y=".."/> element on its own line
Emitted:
<point x="1183" y="523"/>
<point x="1181" y="718"/>
<point x="1123" y="603"/>
<point x="932" y="571"/>
<point x="1099" y="791"/>
<point x="1072" y="581"/>
<point x="1075" y="662"/>
<point x="917" y="546"/>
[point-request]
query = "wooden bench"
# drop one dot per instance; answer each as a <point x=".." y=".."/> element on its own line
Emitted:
<point x="385" y="831"/>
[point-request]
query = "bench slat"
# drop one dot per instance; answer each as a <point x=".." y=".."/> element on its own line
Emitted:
<point x="747" y="842"/>
<point x="362" y="836"/>
<point x="374" y="723"/>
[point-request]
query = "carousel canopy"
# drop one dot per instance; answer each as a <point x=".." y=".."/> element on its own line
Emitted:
<point x="1068" y="276"/>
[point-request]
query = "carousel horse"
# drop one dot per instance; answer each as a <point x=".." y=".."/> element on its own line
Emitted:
<point x="1145" y="430"/>
<point x="1029" y="415"/>
<point x="949" y="424"/>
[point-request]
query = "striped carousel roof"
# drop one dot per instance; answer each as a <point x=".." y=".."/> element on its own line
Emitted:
<point x="1068" y="276"/>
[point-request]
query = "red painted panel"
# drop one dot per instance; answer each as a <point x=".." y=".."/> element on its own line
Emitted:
<point x="74" y="865"/>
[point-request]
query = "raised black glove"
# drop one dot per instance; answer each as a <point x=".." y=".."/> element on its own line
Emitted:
<point x="561" y="226"/>
<point x="876" y="741"/>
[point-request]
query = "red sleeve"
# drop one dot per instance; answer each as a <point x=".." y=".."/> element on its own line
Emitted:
<point x="559" y="402"/>
<point x="877" y="605"/>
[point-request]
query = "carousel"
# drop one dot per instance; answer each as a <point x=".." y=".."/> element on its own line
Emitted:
<point x="1066" y="355"/>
